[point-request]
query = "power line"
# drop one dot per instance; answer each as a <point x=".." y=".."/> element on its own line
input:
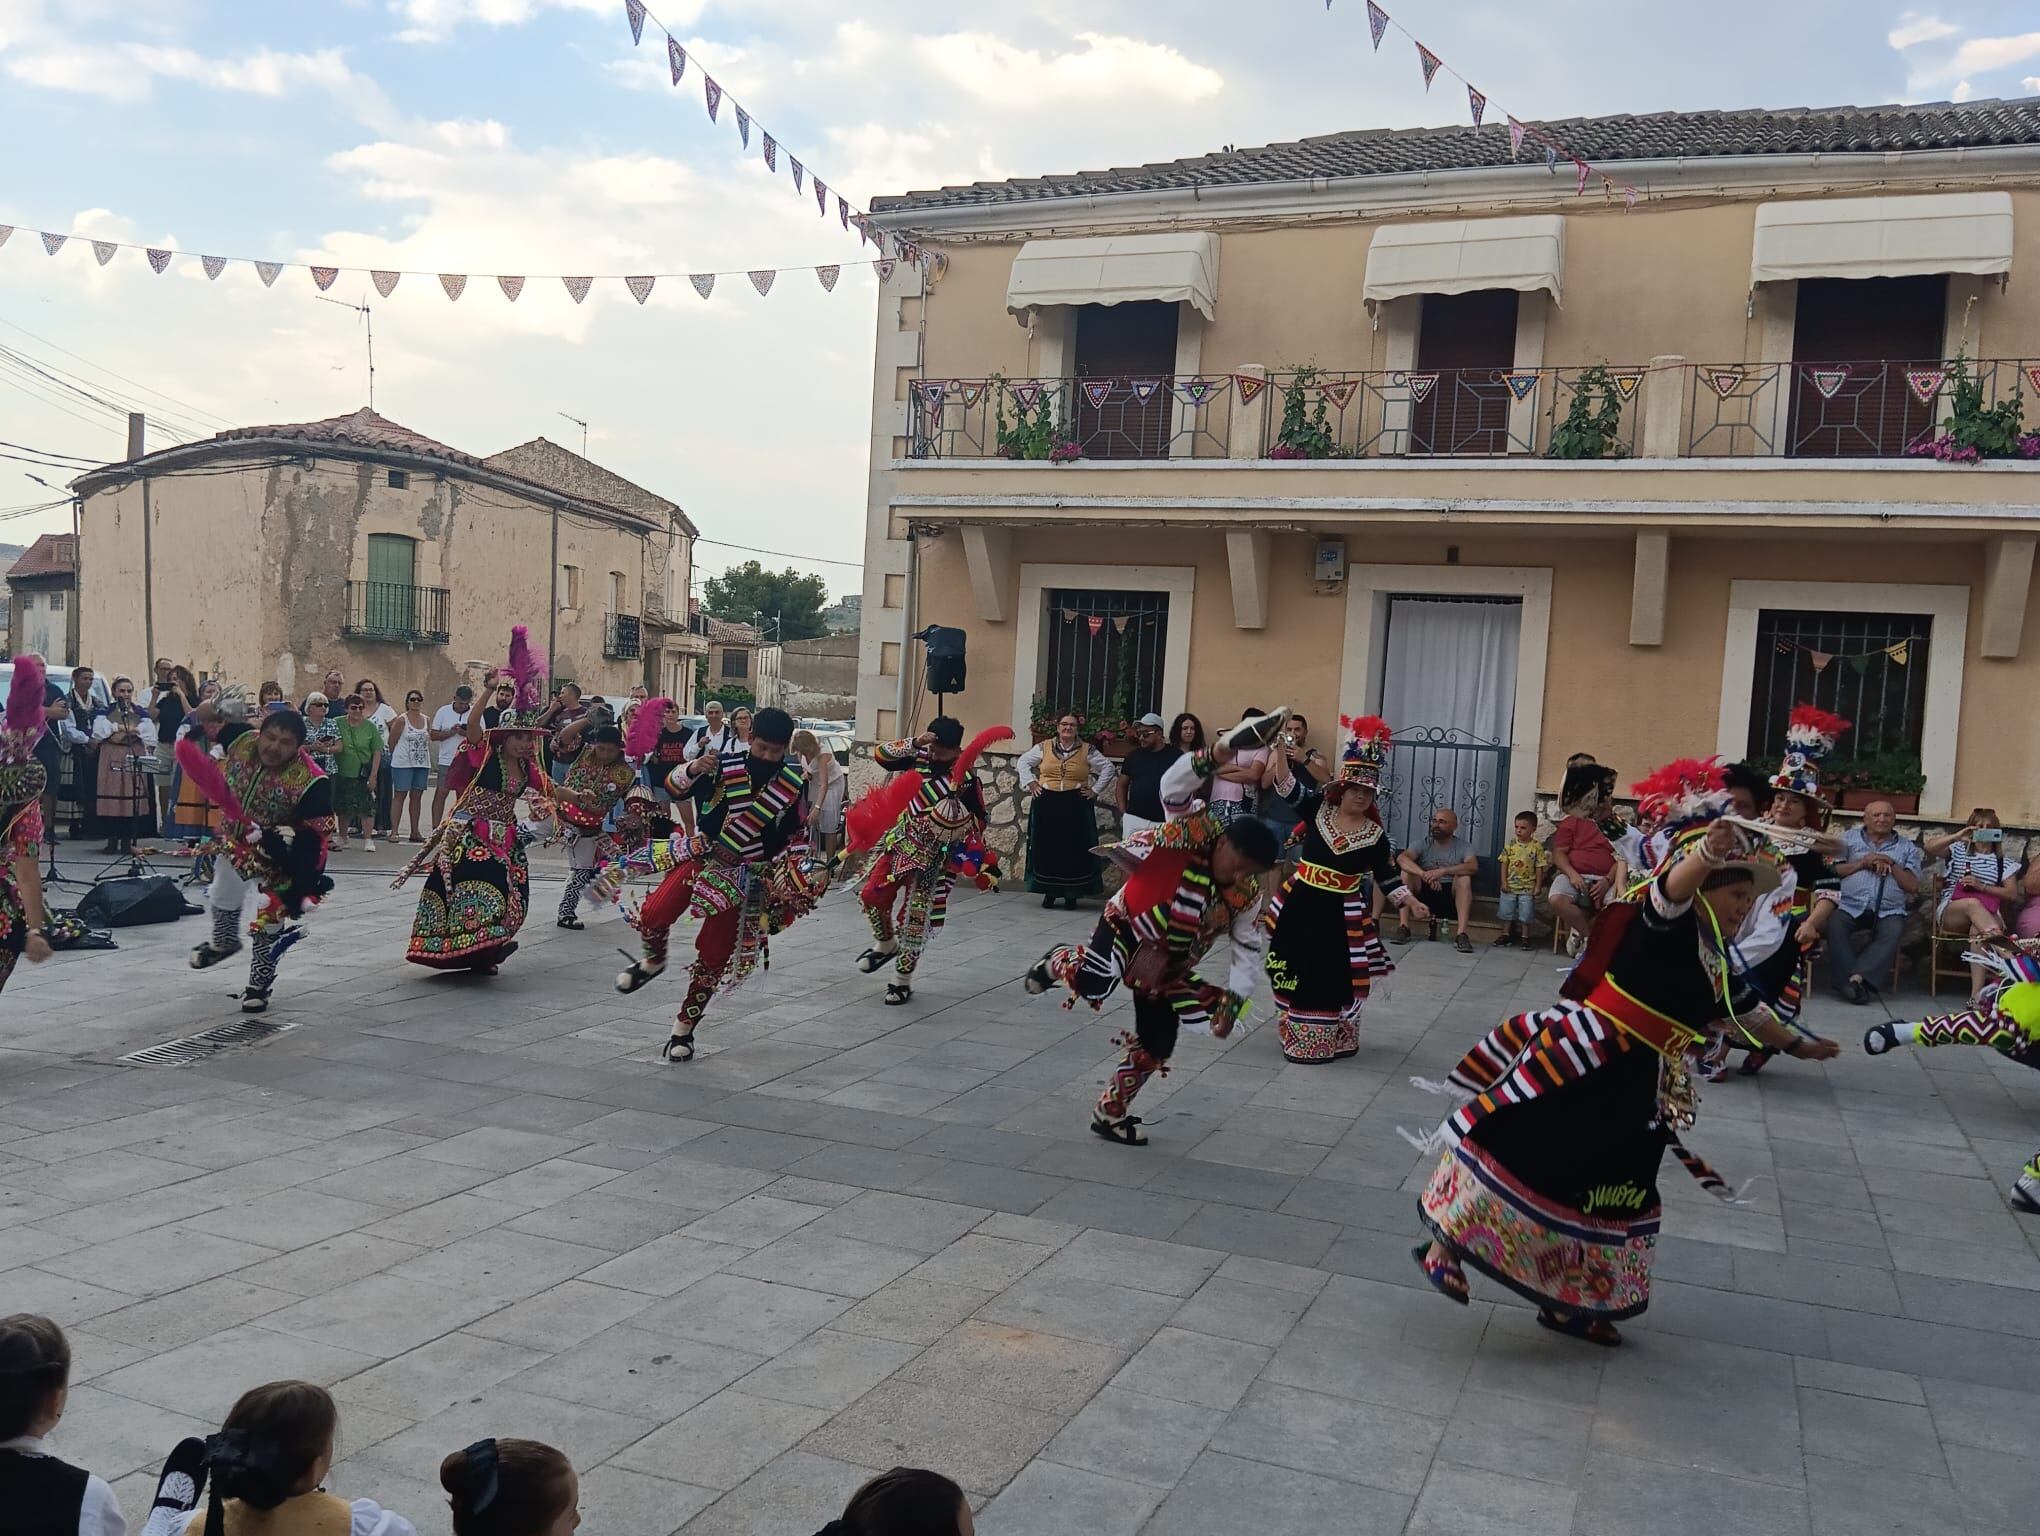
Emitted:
<point x="51" y="453"/>
<point x="780" y="554"/>
<point x="135" y="383"/>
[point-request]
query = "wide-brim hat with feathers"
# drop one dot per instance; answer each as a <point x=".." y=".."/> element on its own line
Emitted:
<point x="1678" y="803"/>
<point x="1364" y="758"/>
<point x="1810" y="736"/>
<point x="527" y="671"/>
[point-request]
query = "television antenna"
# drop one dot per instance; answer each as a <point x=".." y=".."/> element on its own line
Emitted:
<point x="368" y="321"/>
<point x="584" y="430"/>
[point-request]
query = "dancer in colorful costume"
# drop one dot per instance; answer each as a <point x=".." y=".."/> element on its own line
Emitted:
<point x="928" y="824"/>
<point x="1188" y="881"/>
<point x="22" y="781"/>
<point x="1324" y="949"/>
<point x="745" y="871"/>
<point x="1548" y="1179"/>
<point x="2005" y="1017"/>
<point x="594" y="784"/>
<point x="478" y="882"/>
<point x="276" y="819"/>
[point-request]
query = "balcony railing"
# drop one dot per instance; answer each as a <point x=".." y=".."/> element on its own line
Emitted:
<point x="385" y="610"/>
<point x="1670" y="408"/>
<point x="622" y="638"/>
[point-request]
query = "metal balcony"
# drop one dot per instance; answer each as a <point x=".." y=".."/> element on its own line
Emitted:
<point x="383" y="610"/>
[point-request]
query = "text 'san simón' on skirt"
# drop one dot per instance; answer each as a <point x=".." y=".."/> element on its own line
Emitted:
<point x="1062" y="828"/>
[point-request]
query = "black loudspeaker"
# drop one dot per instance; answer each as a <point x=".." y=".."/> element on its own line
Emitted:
<point x="127" y="902"/>
<point x="945" y="659"/>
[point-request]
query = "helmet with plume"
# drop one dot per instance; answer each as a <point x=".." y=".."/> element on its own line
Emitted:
<point x="1365" y="755"/>
<point x="1810" y="735"/>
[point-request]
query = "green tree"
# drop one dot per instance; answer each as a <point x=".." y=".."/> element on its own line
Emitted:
<point x="749" y="591"/>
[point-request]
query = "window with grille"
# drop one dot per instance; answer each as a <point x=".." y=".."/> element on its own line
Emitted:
<point x="1105" y="650"/>
<point x="736" y="663"/>
<point x="1869" y="668"/>
<point x="56" y="602"/>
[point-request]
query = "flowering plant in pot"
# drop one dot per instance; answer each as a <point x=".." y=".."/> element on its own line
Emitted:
<point x="1974" y="431"/>
<point x="1305" y="432"/>
<point x="1038" y="432"/>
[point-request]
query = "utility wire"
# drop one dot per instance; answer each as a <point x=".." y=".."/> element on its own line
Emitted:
<point x="135" y="383"/>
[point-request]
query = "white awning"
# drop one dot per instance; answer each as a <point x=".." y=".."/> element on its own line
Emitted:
<point x="1466" y="255"/>
<point x="1883" y="237"/>
<point x="1116" y="269"/>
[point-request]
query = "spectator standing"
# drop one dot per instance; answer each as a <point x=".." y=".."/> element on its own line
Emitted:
<point x="1444" y="860"/>
<point x="1235" y="787"/>
<point x="360" y="763"/>
<point x="269" y="696"/>
<point x="674" y="747"/>
<point x="268" y="1465"/>
<point x="826" y="789"/>
<point x="410" y="763"/>
<point x="168" y="701"/>
<point x="122" y="737"/>
<point x="1306" y="763"/>
<point x="740" y="727"/>
<point x="334" y="687"/>
<point x="449" y="726"/>
<point x="715" y="736"/>
<point x="74" y="732"/>
<point x="1062" y="778"/>
<point x="50" y="750"/>
<point x="511" y="1488"/>
<point x="1524" y="862"/>
<point x="1138" y="788"/>
<point x="40" y="1495"/>
<point x="566" y="707"/>
<point x="380" y="714"/>
<point x="1880" y="874"/>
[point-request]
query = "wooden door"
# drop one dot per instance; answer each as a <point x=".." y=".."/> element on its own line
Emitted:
<point x="1123" y="351"/>
<point x="1854" y="340"/>
<point x="1465" y="342"/>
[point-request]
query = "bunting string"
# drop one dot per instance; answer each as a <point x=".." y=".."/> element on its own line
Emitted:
<point x="454" y="284"/>
<point x="1478" y="102"/>
<point x="1899" y="652"/>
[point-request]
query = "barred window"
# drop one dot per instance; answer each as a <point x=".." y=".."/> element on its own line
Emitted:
<point x="1870" y="668"/>
<point x="1104" y="650"/>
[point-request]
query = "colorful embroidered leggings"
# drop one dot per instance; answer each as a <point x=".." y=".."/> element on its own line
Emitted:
<point x="578" y="880"/>
<point x="1967" y="1028"/>
<point x="665" y="907"/>
<point x="714" y="942"/>
<point x="1148" y="1050"/>
<point x="882" y="893"/>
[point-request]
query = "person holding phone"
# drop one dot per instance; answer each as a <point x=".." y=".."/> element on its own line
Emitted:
<point x="1980" y="880"/>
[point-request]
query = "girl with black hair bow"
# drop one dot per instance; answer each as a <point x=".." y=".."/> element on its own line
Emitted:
<point x="511" y="1488"/>
<point x="907" y="1501"/>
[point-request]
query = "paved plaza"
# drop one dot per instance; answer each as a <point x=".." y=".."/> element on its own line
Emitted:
<point x="850" y="1236"/>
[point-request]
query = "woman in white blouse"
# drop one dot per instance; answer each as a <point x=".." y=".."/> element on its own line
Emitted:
<point x="123" y="747"/>
<point x="1980" y="881"/>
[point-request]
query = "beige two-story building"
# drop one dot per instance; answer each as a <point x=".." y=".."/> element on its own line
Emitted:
<point x="282" y="551"/>
<point x="1399" y="423"/>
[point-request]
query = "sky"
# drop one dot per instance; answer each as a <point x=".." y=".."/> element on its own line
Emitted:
<point x="530" y="136"/>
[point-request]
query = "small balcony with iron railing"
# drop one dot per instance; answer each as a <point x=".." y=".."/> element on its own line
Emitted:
<point x="1668" y="407"/>
<point x="622" y="636"/>
<point x="387" y="610"/>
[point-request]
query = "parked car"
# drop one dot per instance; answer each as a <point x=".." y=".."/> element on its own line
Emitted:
<point x="61" y="676"/>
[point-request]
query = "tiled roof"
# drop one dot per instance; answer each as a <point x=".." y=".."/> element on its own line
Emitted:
<point x="54" y="554"/>
<point x="363" y="429"/>
<point x="723" y="632"/>
<point x="1602" y="140"/>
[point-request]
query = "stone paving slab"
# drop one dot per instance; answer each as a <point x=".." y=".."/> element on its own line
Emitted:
<point x="851" y="1235"/>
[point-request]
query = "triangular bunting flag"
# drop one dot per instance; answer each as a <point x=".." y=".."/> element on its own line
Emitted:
<point x="159" y="260"/>
<point x="1094" y="622"/>
<point x="1515" y="138"/>
<point x="635" y="9"/>
<point x="970" y="390"/>
<point x="712" y="94"/>
<point x="1421" y="385"/>
<point x="1339" y="391"/>
<point x="104" y="250"/>
<point x="1377" y="23"/>
<point x="1248" y="386"/>
<point x="1119" y="619"/>
<point x="2032" y="369"/>
<point x="1198" y="391"/>
<point x="1430" y="61"/>
<point x="454" y="283"/>
<point x="1828" y="380"/>
<point x="932" y="391"/>
<point x="883" y="269"/>
<point x="385" y="282"/>
<point x="640" y="287"/>
<point x="1723" y="381"/>
<point x="743" y="125"/>
<point x="704" y="282"/>
<point x="5" y="231"/>
<point x="1520" y="381"/>
<point x="1925" y="382"/>
<point x="1477" y="102"/>
<point x="1584" y="171"/>
<point x="1627" y="381"/>
<point x="323" y="277"/>
<point x="1820" y="659"/>
<point x="827" y="276"/>
<point x="676" y="59"/>
<point x="511" y="286"/>
<point x="1025" y="393"/>
<point x="269" y="271"/>
<point x="771" y="147"/>
<point x="1629" y="195"/>
<point x="577" y="287"/>
<point x="1143" y="389"/>
<point x="1551" y="157"/>
<point x="215" y="265"/>
<point x="1901" y="652"/>
<point x="799" y="172"/>
<point x="762" y="281"/>
<point x="53" y="243"/>
<point x="1098" y="391"/>
<point x="821" y="198"/>
<point x="843" y="212"/>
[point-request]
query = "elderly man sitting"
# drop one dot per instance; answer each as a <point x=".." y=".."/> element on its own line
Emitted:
<point x="1442" y="860"/>
<point x="1880" y="873"/>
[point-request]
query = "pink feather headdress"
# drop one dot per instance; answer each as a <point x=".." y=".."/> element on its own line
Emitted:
<point x="643" y="736"/>
<point x="24" y="725"/>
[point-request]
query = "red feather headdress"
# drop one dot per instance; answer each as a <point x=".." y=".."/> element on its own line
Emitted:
<point x="879" y="807"/>
<point x="203" y="770"/>
<point x="1366" y="727"/>
<point x="1684" y="788"/>
<point x="645" y="726"/>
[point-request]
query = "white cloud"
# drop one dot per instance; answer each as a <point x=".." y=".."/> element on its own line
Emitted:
<point x="126" y="72"/>
<point x="469" y="133"/>
<point x="1914" y="29"/>
<point x="1107" y="70"/>
<point x="1962" y="92"/>
<point x="1978" y="56"/>
<point x="264" y="72"/>
<point x="2031" y="83"/>
<point x="433" y="21"/>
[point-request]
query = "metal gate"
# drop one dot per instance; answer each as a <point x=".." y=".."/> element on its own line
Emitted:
<point x="1442" y="766"/>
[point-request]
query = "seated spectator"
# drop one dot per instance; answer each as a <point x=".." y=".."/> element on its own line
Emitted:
<point x="1980" y="883"/>
<point x="267" y="1464"/>
<point x="907" y="1501"/>
<point x="1880" y="874"/>
<point x="42" y="1496"/>
<point x="1585" y="863"/>
<point x="1440" y="861"/>
<point x="2026" y="924"/>
<point x="511" y="1488"/>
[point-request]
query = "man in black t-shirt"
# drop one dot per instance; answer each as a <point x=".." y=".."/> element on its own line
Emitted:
<point x="1139" y="786"/>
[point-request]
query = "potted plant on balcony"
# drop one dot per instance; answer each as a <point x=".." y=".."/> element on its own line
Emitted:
<point x="1113" y="730"/>
<point x="1305" y="432"/>
<point x="1894" y="776"/>
<point x="1041" y="717"/>
<point x="1974" y="431"/>
<point x="1038" y="432"/>
<point x="1592" y="428"/>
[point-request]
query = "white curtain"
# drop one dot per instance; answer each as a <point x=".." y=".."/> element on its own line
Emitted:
<point x="1449" y="666"/>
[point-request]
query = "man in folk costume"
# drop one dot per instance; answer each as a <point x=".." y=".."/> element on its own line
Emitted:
<point x="23" y="778"/>
<point x="2005" y="1018"/>
<point x="744" y="873"/>
<point x="1189" y="880"/>
<point x="928" y="824"/>
<point x="594" y="783"/>
<point x="1324" y="948"/>
<point x="1547" y="1181"/>
<point x="276" y="819"/>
